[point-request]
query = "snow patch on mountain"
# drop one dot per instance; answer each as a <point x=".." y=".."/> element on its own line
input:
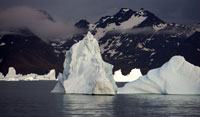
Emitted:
<point x="112" y="52"/>
<point x="133" y="21"/>
<point x="140" y="46"/>
<point x="159" y="27"/>
<point x="110" y="23"/>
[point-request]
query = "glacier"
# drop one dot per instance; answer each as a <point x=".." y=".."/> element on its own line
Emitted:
<point x="177" y="76"/>
<point x="133" y="75"/>
<point x="85" y="72"/>
<point x="12" y="76"/>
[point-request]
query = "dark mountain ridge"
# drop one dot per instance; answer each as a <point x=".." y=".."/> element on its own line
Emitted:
<point x="128" y="39"/>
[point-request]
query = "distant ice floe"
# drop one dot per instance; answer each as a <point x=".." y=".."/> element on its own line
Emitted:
<point x="175" y="77"/>
<point x="12" y="76"/>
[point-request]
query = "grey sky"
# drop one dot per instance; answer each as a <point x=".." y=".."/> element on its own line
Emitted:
<point x="178" y="11"/>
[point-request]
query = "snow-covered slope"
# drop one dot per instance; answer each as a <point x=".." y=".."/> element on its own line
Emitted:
<point x="85" y="72"/>
<point x="123" y="20"/>
<point x="137" y="39"/>
<point x="175" y="77"/>
<point x="133" y="75"/>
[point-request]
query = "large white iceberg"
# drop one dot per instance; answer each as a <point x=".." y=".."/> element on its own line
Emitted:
<point x="133" y="75"/>
<point x="12" y="76"/>
<point x="175" y="77"/>
<point x="85" y="72"/>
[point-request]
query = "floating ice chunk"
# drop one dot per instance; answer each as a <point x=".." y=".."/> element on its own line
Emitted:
<point x="175" y="77"/>
<point x="85" y="72"/>
<point x="133" y="75"/>
<point x="35" y="77"/>
<point x="51" y="75"/>
<point x="12" y="74"/>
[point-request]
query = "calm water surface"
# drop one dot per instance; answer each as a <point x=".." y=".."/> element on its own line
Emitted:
<point x="33" y="99"/>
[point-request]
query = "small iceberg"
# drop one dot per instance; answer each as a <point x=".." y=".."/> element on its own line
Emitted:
<point x="85" y="72"/>
<point x="177" y="76"/>
<point x="133" y="75"/>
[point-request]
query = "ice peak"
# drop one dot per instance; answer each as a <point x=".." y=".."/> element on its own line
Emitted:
<point x="179" y="58"/>
<point x="11" y="72"/>
<point x="90" y="36"/>
<point x="176" y="61"/>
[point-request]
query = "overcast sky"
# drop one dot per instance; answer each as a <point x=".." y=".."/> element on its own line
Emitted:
<point x="177" y="11"/>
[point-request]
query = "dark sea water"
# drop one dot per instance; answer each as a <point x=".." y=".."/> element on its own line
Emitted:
<point x="33" y="99"/>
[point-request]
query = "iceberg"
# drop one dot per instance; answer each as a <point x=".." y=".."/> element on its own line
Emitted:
<point x="85" y="72"/>
<point x="177" y="76"/>
<point x="12" y="76"/>
<point x="133" y="75"/>
<point x="51" y="75"/>
<point x="1" y="76"/>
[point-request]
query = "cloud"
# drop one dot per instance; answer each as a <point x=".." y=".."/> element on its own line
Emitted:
<point x="36" y="21"/>
<point x="145" y="30"/>
<point x="138" y="30"/>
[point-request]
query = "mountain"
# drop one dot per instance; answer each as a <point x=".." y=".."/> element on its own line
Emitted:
<point x="190" y="49"/>
<point x="127" y="18"/>
<point x="128" y="39"/>
<point x="138" y="39"/>
<point x="28" y="54"/>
